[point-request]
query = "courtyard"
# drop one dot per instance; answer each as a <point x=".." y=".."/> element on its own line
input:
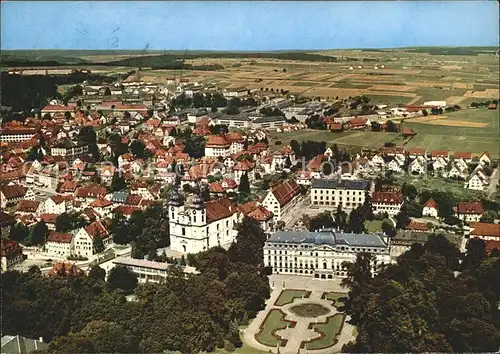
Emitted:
<point x="302" y="315"/>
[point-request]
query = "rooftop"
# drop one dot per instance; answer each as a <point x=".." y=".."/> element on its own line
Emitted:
<point x="336" y="184"/>
<point x="327" y="237"/>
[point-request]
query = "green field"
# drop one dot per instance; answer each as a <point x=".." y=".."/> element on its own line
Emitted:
<point x="274" y="320"/>
<point x="334" y="297"/>
<point x="437" y="94"/>
<point x="364" y="139"/>
<point x="389" y="100"/>
<point x="454" y="138"/>
<point x="329" y="330"/>
<point x="343" y="84"/>
<point x="288" y="295"/>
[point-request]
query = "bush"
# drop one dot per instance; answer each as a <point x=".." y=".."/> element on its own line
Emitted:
<point x="229" y="347"/>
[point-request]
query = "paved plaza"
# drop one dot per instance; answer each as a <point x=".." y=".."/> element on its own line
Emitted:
<point x="301" y="331"/>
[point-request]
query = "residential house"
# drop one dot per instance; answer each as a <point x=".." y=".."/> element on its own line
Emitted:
<point x="244" y="167"/>
<point x="60" y="244"/>
<point x="469" y="211"/>
<point x="257" y="212"/>
<point x="331" y="192"/>
<point x="418" y="166"/>
<point x="217" y="145"/>
<point x="11" y="194"/>
<point x="25" y="207"/>
<point x="430" y="209"/>
<point x="486" y="231"/>
<point x="281" y="198"/>
<point x="477" y="181"/>
<point x="12" y="254"/>
<point x="485" y="158"/>
<point x="84" y="238"/>
<point x="387" y="202"/>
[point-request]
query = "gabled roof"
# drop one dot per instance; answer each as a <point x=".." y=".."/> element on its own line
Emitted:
<point x="416" y="226"/>
<point x="9" y="246"/>
<point x="462" y="155"/>
<point x="14" y="191"/>
<point x="98" y="228"/>
<point x="219" y="209"/>
<point x="431" y="203"/>
<point x="101" y="203"/>
<point x="285" y="192"/>
<point x="486" y="229"/>
<point x="469" y="208"/>
<point x="59" y="237"/>
<point x="48" y="218"/>
<point x="217" y="141"/>
<point x="27" y="206"/>
<point x="440" y="153"/>
<point x="387" y="197"/>
<point x="66" y="269"/>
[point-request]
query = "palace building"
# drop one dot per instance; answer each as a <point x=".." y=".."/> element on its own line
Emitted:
<point x="322" y="254"/>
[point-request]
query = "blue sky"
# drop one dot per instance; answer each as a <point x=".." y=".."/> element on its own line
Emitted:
<point x="246" y="25"/>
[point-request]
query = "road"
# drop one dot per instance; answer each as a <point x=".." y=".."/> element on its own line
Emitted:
<point x="493" y="183"/>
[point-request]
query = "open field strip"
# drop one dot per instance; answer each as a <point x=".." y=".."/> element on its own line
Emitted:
<point x="425" y="118"/>
<point x="488" y="93"/>
<point x="397" y="88"/>
<point x="456" y="123"/>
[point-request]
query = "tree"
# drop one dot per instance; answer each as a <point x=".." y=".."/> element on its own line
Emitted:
<point x="388" y="229"/>
<point x="409" y="191"/>
<point x="357" y="221"/>
<point x="107" y="91"/>
<point x="69" y="221"/>
<point x="137" y="148"/>
<point x="249" y="243"/>
<point x="19" y="232"/>
<point x="117" y="182"/>
<point x="402" y="218"/>
<point x="98" y="244"/>
<point x="38" y="234"/>
<point x="122" y="278"/>
<point x="244" y="186"/>
<point x="424" y="113"/>
<point x="475" y="254"/>
<point x="97" y="273"/>
<point x="367" y="208"/>
<point x="489" y="216"/>
<point x="67" y="115"/>
<point x="340" y="218"/>
<point x="73" y="343"/>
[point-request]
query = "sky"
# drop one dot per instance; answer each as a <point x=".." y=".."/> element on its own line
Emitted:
<point x="251" y="26"/>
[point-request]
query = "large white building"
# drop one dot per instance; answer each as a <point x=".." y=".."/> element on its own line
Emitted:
<point x="281" y="198"/>
<point x="196" y="226"/>
<point x="331" y="192"/>
<point x="146" y="271"/>
<point x="322" y="254"/>
<point x="387" y="202"/>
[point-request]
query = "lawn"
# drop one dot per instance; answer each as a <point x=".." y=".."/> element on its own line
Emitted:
<point x="446" y="185"/>
<point x="309" y="310"/>
<point x="375" y="225"/>
<point x="334" y="297"/>
<point x="329" y="332"/>
<point x="274" y="321"/>
<point x="362" y="139"/>
<point x="437" y="94"/>
<point x="475" y="140"/>
<point x="389" y="100"/>
<point x="288" y="295"/>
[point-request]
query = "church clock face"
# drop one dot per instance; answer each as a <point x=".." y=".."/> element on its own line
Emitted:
<point x="194" y="211"/>
<point x="172" y="208"/>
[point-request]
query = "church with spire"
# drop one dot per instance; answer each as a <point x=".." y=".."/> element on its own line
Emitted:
<point x="196" y="225"/>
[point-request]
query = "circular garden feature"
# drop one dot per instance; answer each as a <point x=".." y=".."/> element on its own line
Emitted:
<point x="309" y="310"/>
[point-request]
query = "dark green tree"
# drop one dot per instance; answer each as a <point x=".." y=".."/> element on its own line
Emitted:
<point x="122" y="278"/>
<point x="118" y="182"/>
<point x="97" y="273"/>
<point x="244" y="186"/>
<point x="39" y="233"/>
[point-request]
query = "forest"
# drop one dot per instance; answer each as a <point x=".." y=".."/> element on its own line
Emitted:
<point x="435" y="299"/>
<point x="198" y="313"/>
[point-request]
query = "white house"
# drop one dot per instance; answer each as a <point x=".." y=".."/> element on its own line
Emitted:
<point x="387" y="202"/>
<point x="485" y="158"/>
<point x="217" y="145"/>
<point x="84" y="238"/>
<point x="280" y="198"/>
<point x="469" y="212"/>
<point x="430" y="209"/>
<point x="418" y="166"/>
<point x="476" y="181"/>
<point x="55" y="205"/>
<point x="60" y="244"/>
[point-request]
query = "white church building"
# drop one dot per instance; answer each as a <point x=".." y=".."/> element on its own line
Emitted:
<point x="196" y="226"/>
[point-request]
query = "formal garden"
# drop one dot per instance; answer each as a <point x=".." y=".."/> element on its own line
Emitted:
<point x="303" y="319"/>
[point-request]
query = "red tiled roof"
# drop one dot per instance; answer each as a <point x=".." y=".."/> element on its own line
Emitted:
<point x="230" y="183"/>
<point x="336" y="126"/>
<point x="59" y="237"/>
<point x="469" y="208"/>
<point x="9" y="246"/>
<point x="286" y="191"/>
<point x="357" y="122"/>
<point x="217" y="141"/>
<point x="492" y="106"/>
<point x="416" y="226"/>
<point x="27" y="206"/>
<point x="48" y="218"/>
<point x="486" y="229"/>
<point x="100" y="203"/>
<point x="6" y="219"/>
<point x="64" y="269"/>
<point x="58" y="108"/>
<point x="387" y="197"/>
<point x="126" y="209"/>
<point x="219" y="209"/>
<point x="234" y="137"/>
<point x="416" y="151"/>
<point x="216" y="187"/>
<point x="91" y="191"/>
<point x="439" y="153"/>
<point x="244" y="165"/>
<point x="97" y="228"/>
<point x="260" y="214"/>
<point x="14" y="191"/>
<point x="133" y="200"/>
<point x="68" y="186"/>
<point x="431" y="203"/>
<point x="462" y="155"/>
<point x="58" y="199"/>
